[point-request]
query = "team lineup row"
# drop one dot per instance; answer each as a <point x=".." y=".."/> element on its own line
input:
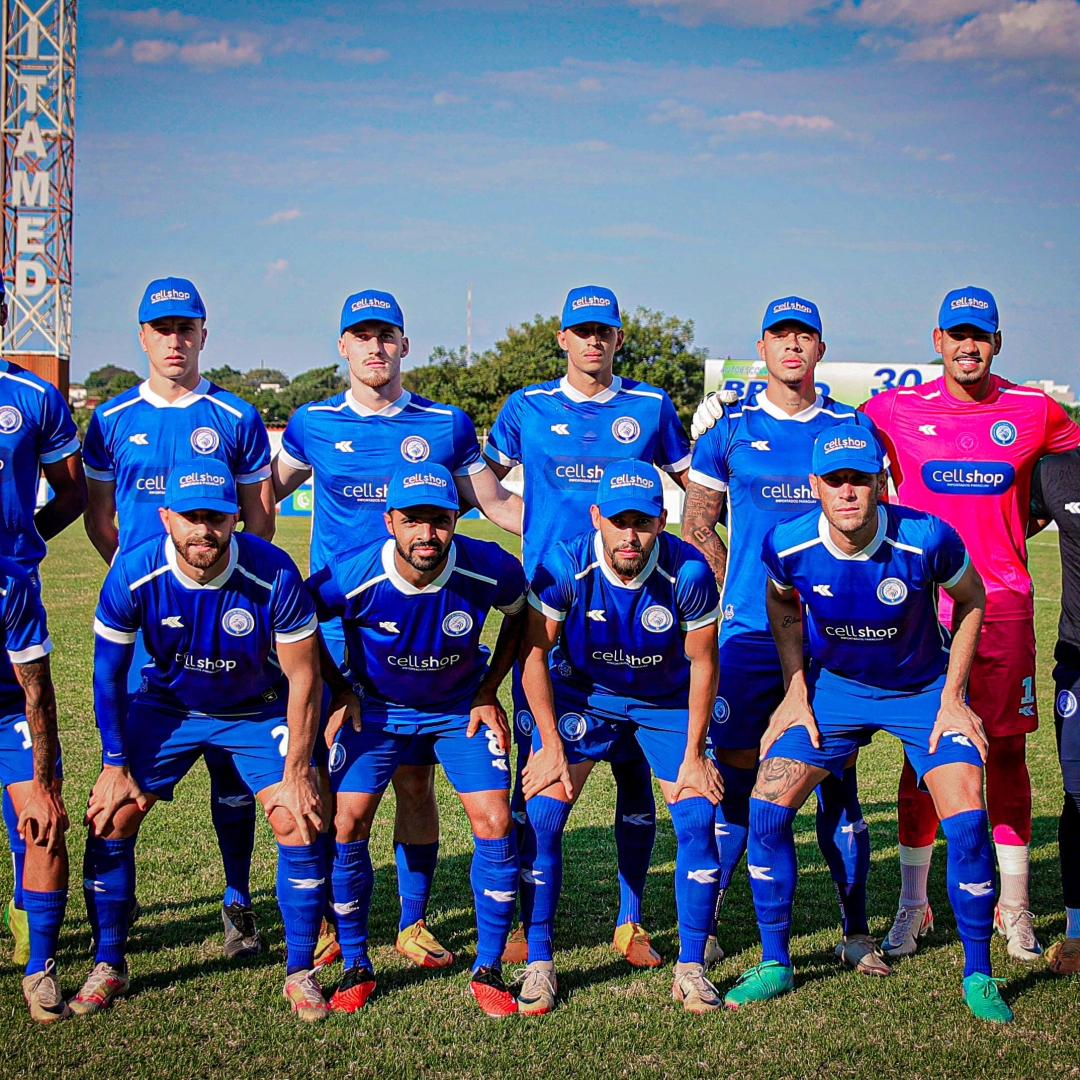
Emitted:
<point x="610" y="631"/>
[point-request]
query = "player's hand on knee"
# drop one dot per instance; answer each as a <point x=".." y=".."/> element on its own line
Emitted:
<point x="491" y="714"/>
<point x="956" y="717"/>
<point x="113" y="789"/>
<point x="344" y="706"/>
<point x="298" y="796"/>
<point x="44" y="818"/>
<point x="792" y="712"/>
<point x="698" y="774"/>
<point x="710" y="410"/>
<point x="546" y="768"/>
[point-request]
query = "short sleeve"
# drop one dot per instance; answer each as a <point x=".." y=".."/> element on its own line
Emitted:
<point x="326" y="594"/>
<point x="504" y="439"/>
<point x="774" y="565"/>
<point x="252" y="464"/>
<point x="1061" y="432"/>
<point x="672" y="448"/>
<point x="708" y="465"/>
<point x="292" y="611"/>
<point x="293" y="452"/>
<point x="696" y="594"/>
<point x="553" y="586"/>
<point x="466" y="451"/>
<point x="117" y="618"/>
<point x="97" y="457"/>
<point x="26" y="635"/>
<point x="59" y="438"/>
<point x="946" y="554"/>
<point x="1039" y="509"/>
<point x="513" y="585"/>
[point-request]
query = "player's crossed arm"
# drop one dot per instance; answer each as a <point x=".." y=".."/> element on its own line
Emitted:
<point x="547" y="766"/>
<point x="784" y="609"/>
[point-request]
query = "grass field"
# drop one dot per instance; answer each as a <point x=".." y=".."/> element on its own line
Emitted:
<point x="193" y="1014"/>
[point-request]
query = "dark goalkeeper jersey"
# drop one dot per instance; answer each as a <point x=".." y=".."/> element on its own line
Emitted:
<point x="1055" y="496"/>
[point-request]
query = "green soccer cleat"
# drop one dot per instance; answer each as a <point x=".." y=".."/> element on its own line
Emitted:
<point x="15" y="920"/>
<point x="982" y="997"/>
<point x="766" y="980"/>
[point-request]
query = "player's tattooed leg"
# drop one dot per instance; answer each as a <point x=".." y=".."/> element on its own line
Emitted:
<point x="779" y="780"/>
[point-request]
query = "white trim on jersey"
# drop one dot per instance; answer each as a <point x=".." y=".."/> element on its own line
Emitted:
<point x="635" y="583"/>
<point x="479" y="577"/>
<point x="123" y="405"/>
<point x="302" y="634"/>
<point x="350" y="402"/>
<point x="256" y="477"/>
<point x="117" y="637"/>
<point x="148" y="577"/>
<point x="549" y="612"/>
<point x="678" y="466"/>
<point x="286" y="458"/>
<point x="258" y="580"/>
<point x="365" y="585"/>
<point x="704" y="620"/>
<point x="497" y="455"/>
<point x="958" y="575"/>
<point x="577" y="396"/>
<point x="103" y="476"/>
<point x="798" y="547"/>
<point x="904" y="547"/>
<point x="705" y="480"/>
<point x="471" y="470"/>
<point x="402" y="585"/>
<point x="65" y="451"/>
<point x="182" y="402"/>
<point x="34" y="652"/>
<point x="217" y="583"/>
<point x="867" y="552"/>
<point x="516" y="606"/>
<point x="20" y="379"/>
<point x="780" y="585"/>
<point x="763" y="403"/>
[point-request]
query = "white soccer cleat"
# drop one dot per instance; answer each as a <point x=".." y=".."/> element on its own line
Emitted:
<point x="912" y="922"/>
<point x="713" y="953"/>
<point x="1016" y="927"/>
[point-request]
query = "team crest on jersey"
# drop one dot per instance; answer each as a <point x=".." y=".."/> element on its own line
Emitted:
<point x="237" y="622"/>
<point x="10" y="420"/>
<point x="524" y="722"/>
<point x="337" y="757"/>
<point x="414" y="449"/>
<point x="1066" y="704"/>
<point x="626" y="429"/>
<point x="657" y="619"/>
<point x="572" y="726"/>
<point x="1003" y="433"/>
<point x="457" y="623"/>
<point x="966" y="442"/>
<point x="564" y="669"/>
<point x="892" y="591"/>
<point x="204" y="440"/>
<point x="721" y="711"/>
<point x="729" y="612"/>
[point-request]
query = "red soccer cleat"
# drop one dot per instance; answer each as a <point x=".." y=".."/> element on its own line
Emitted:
<point x="490" y="991"/>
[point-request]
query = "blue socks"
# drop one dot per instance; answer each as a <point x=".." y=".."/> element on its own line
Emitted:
<point x="517" y="796"/>
<point x="541" y="875"/>
<point x="17" y="845"/>
<point x="770" y="856"/>
<point x="697" y="875"/>
<point x="45" y="914"/>
<point x="494" y="878"/>
<point x="415" y="872"/>
<point x="844" y="840"/>
<point x="109" y="886"/>
<point x="970" y="874"/>
<point x="733" y="818"/>
<point x="354" y="878"/>
<point x="635" y="832"/>
<point x="301" y="887"/>
<point x="232" y="809"/>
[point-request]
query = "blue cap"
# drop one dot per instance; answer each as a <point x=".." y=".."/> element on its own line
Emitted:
<point x="969" y="307"/>
<point x="201" y="484"/>
<point x="792" y="309"/>
<point x="171" y="296"/>
<point x="847" y="446"/>
<point x="371" y="306"/>
<point x="422" y="485"/>
<point x="630" y="485"/>
<point x="590" y="304"/>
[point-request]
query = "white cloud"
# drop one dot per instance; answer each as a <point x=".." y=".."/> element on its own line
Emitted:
<point x="926" y="153"/>
<point x="915" y="12"/>
<point x="208" y="55"/>
<point x="117" y="48"/>
<point x="1028" y="30"/>
<point x="276" y="269"/>
<point x="152" y="19"/>
<point x="588" y="84"/>
<point x="737" y="12"/>
<point x="444" y="97"/>
<point x="153" y="52"/>
<point x="750" y="122"/>
<point x="281" y="216"/>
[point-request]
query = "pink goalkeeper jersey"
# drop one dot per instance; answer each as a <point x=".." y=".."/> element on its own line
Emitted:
<point x="970" y="463"/>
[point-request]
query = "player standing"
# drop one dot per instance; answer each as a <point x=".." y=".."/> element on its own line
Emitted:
<point x="750" y="469"/>
<point x="565" y="432"/>
<point x="353" y="443"/>
<point x="234" y="665"/>
<point x="413" y="610"/>
<point x="864" y="576"/>
<point x="632" y="612"/>
<point x="964" y="447"/>
<point x="132" y="442"/>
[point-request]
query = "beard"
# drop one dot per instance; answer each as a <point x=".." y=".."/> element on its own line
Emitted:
<point x="969" y="378"/>
<point x="375" y="378"/>
<point x="201" y="559"/>
<point x="848" y="526"/>
<point x="633" y="566"/>
<point x="423" y="563"/>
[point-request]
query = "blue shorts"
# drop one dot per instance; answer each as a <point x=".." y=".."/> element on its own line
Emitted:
<point x="365" y="760"/>
<point x="751" y="687"/>
<point x="162" y="745"/>
<point x="607" y="727"/>
<point x="841" y="709"/>
<point x="17" y="751"/>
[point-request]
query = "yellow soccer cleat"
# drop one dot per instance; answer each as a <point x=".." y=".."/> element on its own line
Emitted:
<point x="327" y="949"/>
<point x="418" y="943"/>
<point x="16" y="921"/>
<point x="517" y="948"/>
<point x="1063" y="957"/>
<point x="632" y="940"/>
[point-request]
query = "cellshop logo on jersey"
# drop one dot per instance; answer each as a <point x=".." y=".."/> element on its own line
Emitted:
<point x="423" y="664"/>
<point x="370" y="491"/>
<point x="149" y="486"/>
<point x="210" y="664"/>
<point x="865" y="634"/>
<point x="782" y="493"/>
<point x="572" y="473"/>
<point x="968" y="477"/>
<point x="619" y="658"/>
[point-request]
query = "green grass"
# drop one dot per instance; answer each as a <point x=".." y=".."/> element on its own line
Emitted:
<point x="192" y="1014"/>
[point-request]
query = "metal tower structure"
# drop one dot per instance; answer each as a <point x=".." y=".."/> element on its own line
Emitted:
<point x="37" y="104"/>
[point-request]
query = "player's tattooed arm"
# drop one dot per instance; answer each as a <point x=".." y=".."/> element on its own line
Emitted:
<point x="701" y="514"/>
<point x="785" y="781"/>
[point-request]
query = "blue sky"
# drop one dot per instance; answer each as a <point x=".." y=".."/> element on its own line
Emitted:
<point x="698" y="156"/>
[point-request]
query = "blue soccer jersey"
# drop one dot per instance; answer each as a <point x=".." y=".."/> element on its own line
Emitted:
<point x="419" y="648"/>
<point x="135" y="438"/>
<point x="25" y="636"/>
<point x="354" y="452"/>
<point x="626" y="638"/>
<point x="872" y="617"/>
<point x="35" y="429"/>
<point x="761" y="457"/>
<point x="565" y="440"/>
<point x="212" y="647"/>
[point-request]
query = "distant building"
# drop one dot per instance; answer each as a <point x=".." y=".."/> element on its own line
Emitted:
<point x="1058" y="391"/>
<point x="77" y="396"/>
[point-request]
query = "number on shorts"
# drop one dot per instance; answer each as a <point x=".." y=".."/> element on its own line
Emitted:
<point x="281" y="732"/>
<point x="1028" y="684"/>
<point x="493" y="742"/>
<point x="23" y="728"/>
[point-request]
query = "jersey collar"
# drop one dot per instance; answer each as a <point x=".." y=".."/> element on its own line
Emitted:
<point x="602" y="398"/>
<point x="392" y="409"/>
<point x="182" y="402"/>
<point x="769" y="409"/>
<point x="217" y="583"/>
<point x="860" y="556"/>
<point x="402" y="585"/>
<point x="605" y="569"/>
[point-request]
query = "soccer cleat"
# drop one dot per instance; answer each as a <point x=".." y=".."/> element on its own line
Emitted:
<point x="696" y="993"/>
<point x="327" y="949"/>
<point x="102" y="987"/>
<point x="490" y="991"/>
<point x="42" y="993"/>
<point x="861" y="952"/>
<point x="713" y="953"/>
<point x="766" y="980"/>
<point x="632" y="940"/>
<point x="913" y="921"/>
<point x="538" y="989"/>
<point x="517" y="948"/>
<point x="16" y="921"/>
<point x="982" y="997"/>
<point x="418" y="943"/>
<point x="241" y="934"/>
<point x="1063" y="957"/>
<point x="356" y="987"/>
<point x="305" y="996"/>
<point x="1015" y="926"/>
